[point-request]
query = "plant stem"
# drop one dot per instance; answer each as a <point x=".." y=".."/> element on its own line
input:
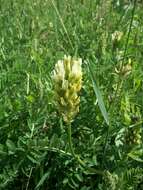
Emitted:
<point x="91" y="170"/>
<point x="71" y="146"/>
<point x="120" y="82"/>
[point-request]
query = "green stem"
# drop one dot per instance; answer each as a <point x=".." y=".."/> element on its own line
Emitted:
<point x="91" y="170"/>
<point x="71" y="146"/>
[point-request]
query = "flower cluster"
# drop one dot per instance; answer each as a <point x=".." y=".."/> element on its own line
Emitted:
<point x="117" y="35"/>
<point x="133" y="136"/>
<point x="67" y="78"/>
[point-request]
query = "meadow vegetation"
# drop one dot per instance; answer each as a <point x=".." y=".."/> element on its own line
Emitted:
<point x="107" y="129"/>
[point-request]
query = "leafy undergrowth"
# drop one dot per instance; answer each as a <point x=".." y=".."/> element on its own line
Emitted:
<point x="107" y="131"/>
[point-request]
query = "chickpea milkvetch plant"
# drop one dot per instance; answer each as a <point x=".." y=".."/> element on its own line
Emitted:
<point x="67" y="83"/>
<point x="67" y="77"/>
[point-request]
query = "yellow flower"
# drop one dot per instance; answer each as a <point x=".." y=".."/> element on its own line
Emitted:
<point x="117" y="35"/>
<point x="67" y="78"/>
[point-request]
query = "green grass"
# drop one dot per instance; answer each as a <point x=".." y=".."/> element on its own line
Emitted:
<point x="34" y="151"/>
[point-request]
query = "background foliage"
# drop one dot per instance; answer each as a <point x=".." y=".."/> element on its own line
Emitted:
<point x="34" y="152"/>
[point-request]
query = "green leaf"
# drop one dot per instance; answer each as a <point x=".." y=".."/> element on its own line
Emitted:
<point x="44" y="177"/>
<point x="33" y="160"/>
<point x="85" y="188"/>
<point x="54" y="141"/>
<point x="65" y="181"/>
<point x="11" y="146"/>
<point x="74" y="183"/>
<point x="98" y="95"/>
<point x="2" y="152"/>
<point x="135" y="155"/>
<point x="79" y="177"/>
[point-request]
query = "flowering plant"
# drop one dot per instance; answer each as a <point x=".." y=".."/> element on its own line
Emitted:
<point x="67" y="78"/>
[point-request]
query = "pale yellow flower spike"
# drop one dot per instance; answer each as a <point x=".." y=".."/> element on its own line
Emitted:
<point x="67" y="78"/>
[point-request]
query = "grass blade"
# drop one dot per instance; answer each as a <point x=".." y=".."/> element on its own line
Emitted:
<point x="98" y="95"/>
